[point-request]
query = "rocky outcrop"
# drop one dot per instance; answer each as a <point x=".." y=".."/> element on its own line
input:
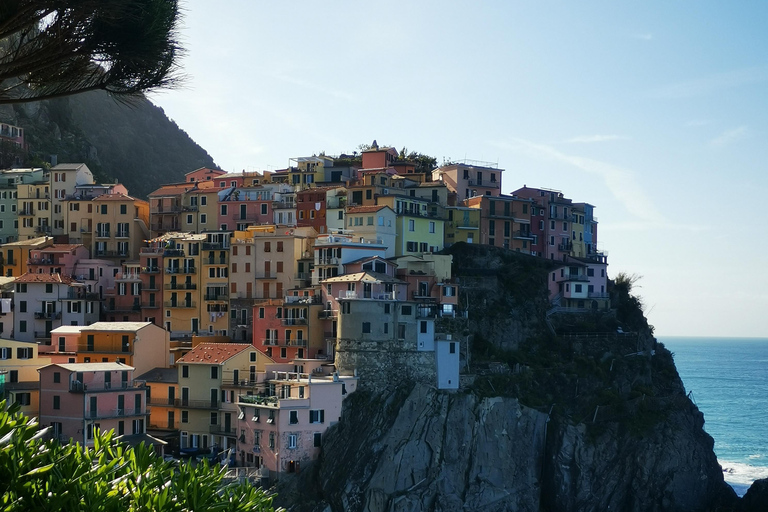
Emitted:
<point x="434" y="451"/>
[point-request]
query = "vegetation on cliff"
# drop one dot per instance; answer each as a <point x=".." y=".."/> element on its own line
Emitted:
<point x="136" y="145"/>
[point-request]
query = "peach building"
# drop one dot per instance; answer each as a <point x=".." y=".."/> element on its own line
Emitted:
<point x="470" y="179"/>
<point x="19" y="361"/>
<point x="142" y="345"/>
<point x="56" y="259"/>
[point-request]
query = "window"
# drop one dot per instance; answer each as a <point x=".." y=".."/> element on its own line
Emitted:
<point x="318" y="439"/>
<point x="22" y="306"/>
<point x="56" y="377"/>
<point x="411" y="225"/>
<point x="103" y="209"/>
<point x="214" y="418"/>
<point x="224" y="209"/>
<point x="452" y="348"/>
<point x="267" y="246"/>
<point x="366" y="327"/>
<point x="56" y="402"/>
<point x="263" y="208"/>
<point x="292" y="441"/>
<point x="185" y="416"/>
<point x="294" y="417"/>
<point x="23" y="398"/>
<point x="279" y="246"/>
<point x="423" y="327"/>
<point x="431" y="227"/>
<point x="22" y="326"/>
<point x="185" y="371"/>
<point x="271" y="440"/>
<point x="24" y="353"/>
<point x="590" y="272"/>
<point x="577" y="288"/>
<point x="203" y="217"/>
<point x="49" y="288"/>
<point x="317" y="416"/>
<point x="406" y="310"/>
<point x="214" y="372"/>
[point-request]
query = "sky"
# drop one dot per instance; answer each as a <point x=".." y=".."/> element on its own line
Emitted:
<point x="654" y="112"/>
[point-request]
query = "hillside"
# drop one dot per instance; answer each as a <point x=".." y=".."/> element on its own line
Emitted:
<point x="136" y="144"/>
<point x="560" y="414"/>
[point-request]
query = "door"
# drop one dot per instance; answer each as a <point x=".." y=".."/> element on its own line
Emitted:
<point x="93" y="407"/>
<point x="120" y="405"/>
<point x="235" y="377"/>
<point x="214" y="397"/>
<point x="227" y="422"/>
<point x="171" y="395"/>
<point x="195" y="325"/>
<point x="184" y="396"/>
<point x="242" y="212"/>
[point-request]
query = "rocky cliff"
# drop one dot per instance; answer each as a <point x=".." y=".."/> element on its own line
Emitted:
<point x="586" y="419"/>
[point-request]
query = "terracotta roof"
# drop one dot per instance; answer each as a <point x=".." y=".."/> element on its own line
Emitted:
<point x="214" y="353"/>
<point x="366" y="209"/>
<point x="365" y="277"/>
<point x="44" y="278"/>
<point x="114" y="197"/>
<point x="172" y="190"/>
<point x="207" y="170"/>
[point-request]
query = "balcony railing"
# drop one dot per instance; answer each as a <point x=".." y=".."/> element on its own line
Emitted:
<point x="116" y="413"/>
<point x="180" y="286"/>
<point x="216" y="261"/>
<point x="43" y="335"/>
<point x="327" y="314"/>
<point x="151" y="250"/>
<point x="576" y="277"/>
<point x="150" y="270"/>
<point x="222" y="430"/>
<point x="598" y="295"/>
<point x="180" y="270"/>
<point x="294" y="321"/>
<point x="102" y="234"/>
<point x="522" y="234"/>
<point x="28" y="211"/>
<point x="173" y="252"/>
<point x="198" y="404"/>
<point x="265" y="275"/>
<point x="216" y="296"/>
<point x="164" y="425"/>
<point x="78" y="387"/>
<point x="128" y="276"/>
<point x="123" y="234"/>
<point x="276" y="342"/>
<point x="565" y="247"/>
<point x="47" y="315"/>
<point x="483" y="183"/>
<point x="215" y="246"/>
<point x="45" y="261"/>
<point x="179" y="304"/>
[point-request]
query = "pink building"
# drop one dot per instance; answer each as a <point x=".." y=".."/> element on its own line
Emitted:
<point x="580" y="284"/>
<point x="203" y="174"/>
<point x="77" y="399"/>
<point x="470" y="179"/>
<point x="241" y="207"/>
<point x="281" y="431"/>
<point x="56" y="259"/>
<point x="551" y="222"/>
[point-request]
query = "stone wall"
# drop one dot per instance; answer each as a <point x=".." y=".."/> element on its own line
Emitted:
<point x="382" y="363"/>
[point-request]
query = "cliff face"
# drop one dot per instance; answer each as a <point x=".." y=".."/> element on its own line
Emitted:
<point x="592" y="419"/>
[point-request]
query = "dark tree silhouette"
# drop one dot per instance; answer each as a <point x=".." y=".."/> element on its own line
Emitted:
<point x="54" y="48"/>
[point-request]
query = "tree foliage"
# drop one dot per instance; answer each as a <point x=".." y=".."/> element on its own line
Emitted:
<point x="53" y="48"/>
<point x="43" y="475"/>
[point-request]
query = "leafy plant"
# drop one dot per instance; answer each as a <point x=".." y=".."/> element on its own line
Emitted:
<point x="40" y="474"/>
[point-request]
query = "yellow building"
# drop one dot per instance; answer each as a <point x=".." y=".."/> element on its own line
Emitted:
<point x="142" y="345"/>
<point x="419" y="226"/>
<point x="199" y="208"/>
<point x="462" y="225"/>
<point x="163" y="396"/>
<point x="78" y="220"/>
<point x="15" y="255"/>
<point x="120" y="226"/>
<point x="182" y="283"/>
<point x="19" y="380"/>
<point x="215" y="284"/>
<point x="210" y="377"/>
<point x="577" y="231"/>
<point x="35" y="207"/>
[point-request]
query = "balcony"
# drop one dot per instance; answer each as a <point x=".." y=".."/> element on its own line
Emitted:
<point x="163" y="402"/>
<point x="110" y="254"/>
<point x="180" y="286"/>
<point x="294" y="321"/>
<point x="78" y="387"/>
<point x="522" y="234"/>
<point x="197" y="404"/>
<point x="180" y="304"/>
<point x="47" y="315"/>
<point x="163" y="425"/>
<point x="276" y="342"/>
<point x="81" y="295"/>
<point x="567" y="247"/>
<point x="116" y="413"/>
<point x="160" y="210"/>
<point x="222" y="430"/>
<point x="128" y="276"/>
<point x="150" y="270"/>
<point x="265" y="275"/>
<point x="215" y="246"/>
<point x="483" y="183"/>
<point x="43" y="230"/>
<point x="327" y="314"/>
<point x="44" y="261"/>
<point x="216" y="261"/>
<point x="173" y="252"/>
<point x="43" y="335"/>
<point x="181" y="270"/>
<point x="102" y="234"/>
<point x="27" y="212"/>
<point x="598" y="295"/>
<point x="151" y="250"/>
<point x="123" y="234"/>
<point x="576" y="277"/>
<point x="221" y="297"/>
<point x="327" y="261"/>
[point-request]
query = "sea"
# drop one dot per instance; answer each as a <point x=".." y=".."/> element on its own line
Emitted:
<point x="728" y="381"/>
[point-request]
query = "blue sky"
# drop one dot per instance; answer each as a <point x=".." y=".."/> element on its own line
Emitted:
<point x="655" y="112"/>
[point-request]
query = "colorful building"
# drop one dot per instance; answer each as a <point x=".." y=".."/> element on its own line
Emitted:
<point x="141" y="345"/>
<point x="19" y="361"/>
<point x="121" y="226"/>
<point x="469" y="179"/>
<point x="505" y="221"/>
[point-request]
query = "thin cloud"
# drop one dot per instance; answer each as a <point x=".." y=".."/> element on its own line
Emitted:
<point x="643" y="37"/>
<point x="729" y="136"/>
<point x="587" y="139"/>
<point x="620" y="182"/>
<point x="712" y="84"/>
<point x="620" y="227"/>
<point x="697" y="122"/>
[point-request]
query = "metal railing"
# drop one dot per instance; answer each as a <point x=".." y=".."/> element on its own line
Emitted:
<point x="180" y="270"/>
<point x="293" y="321"/>
<point x="47" y="315"/>
<point x="181" y="286"/>
<point x="180" y="304"/>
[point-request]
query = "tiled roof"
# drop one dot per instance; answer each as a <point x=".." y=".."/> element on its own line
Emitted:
<point x="214" y="353"/>
<point x="365" y="277"/>
<point x="44" y="278"/>
<point x="61" y="248"/>
<point x="367" y="209"/>
<point x="30" y="242"/>
<point x="114" y="197"/>
<point x="173" y="190"/>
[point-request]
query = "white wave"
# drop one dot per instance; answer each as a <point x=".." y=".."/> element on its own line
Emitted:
<point x="755" y="456"/>
<point x="740" y="476"/>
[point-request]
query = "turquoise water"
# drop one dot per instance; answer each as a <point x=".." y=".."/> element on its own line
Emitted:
<point x="729" y="381"/>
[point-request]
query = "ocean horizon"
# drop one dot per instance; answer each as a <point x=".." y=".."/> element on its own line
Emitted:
<point x="728" y="381"/>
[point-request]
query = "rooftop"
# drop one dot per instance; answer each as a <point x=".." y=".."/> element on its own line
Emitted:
<point x="214" y="353"/>
<point x="44" y="278"/>
<point x="116" y="326"/>
<point x="160" y="375"/>
<point x="365" y="277"/>
<point x="92" y="367"/>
